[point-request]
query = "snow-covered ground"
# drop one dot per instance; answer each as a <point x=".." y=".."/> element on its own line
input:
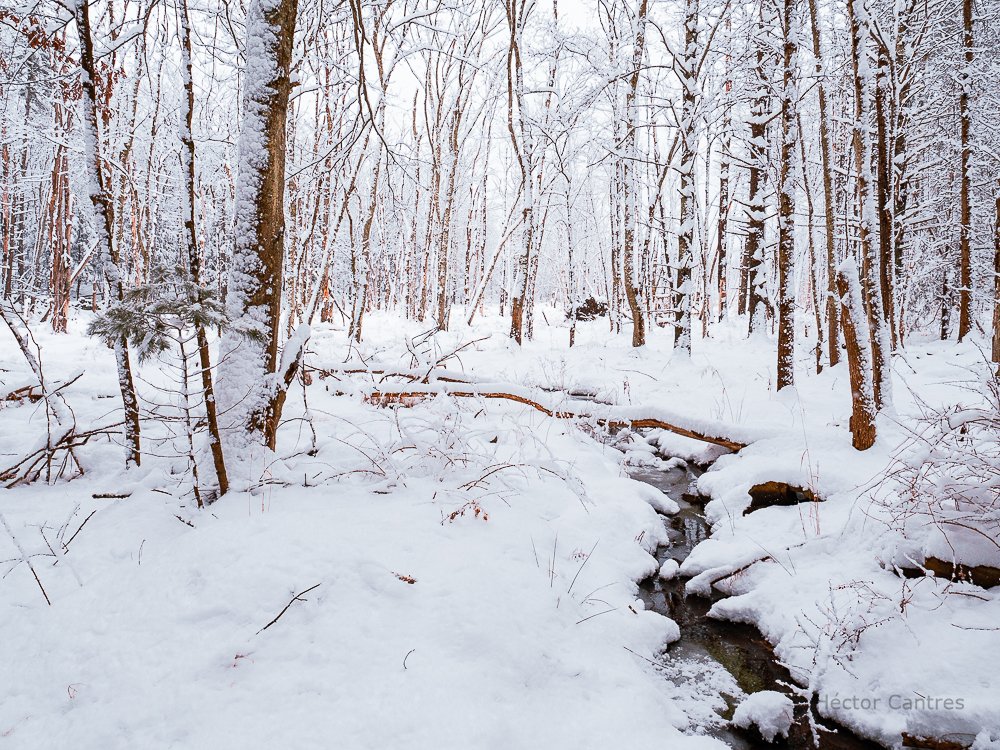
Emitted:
<point x="474" y="561"/>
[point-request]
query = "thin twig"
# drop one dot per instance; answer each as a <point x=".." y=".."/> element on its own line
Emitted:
<point x="296" y="598"/>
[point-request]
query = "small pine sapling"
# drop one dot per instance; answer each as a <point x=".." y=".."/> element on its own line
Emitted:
<point x="164" y="315"/>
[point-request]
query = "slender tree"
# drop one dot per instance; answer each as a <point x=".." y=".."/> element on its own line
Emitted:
<point x="193" y="254"/>
<point x="786" y="199"/>
<point x="860" y="23"/>
<point x="100" y="197"/>
<point x="965" y="180"/>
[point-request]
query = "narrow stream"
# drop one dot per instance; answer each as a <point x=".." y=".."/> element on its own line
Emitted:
<point x="737" y="647"/>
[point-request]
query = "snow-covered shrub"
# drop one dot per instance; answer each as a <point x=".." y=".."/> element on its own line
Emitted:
<point x="943" y="492"/>
<point x="469" y="457"/>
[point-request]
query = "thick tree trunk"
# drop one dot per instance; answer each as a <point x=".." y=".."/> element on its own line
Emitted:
<point x="60" y="237"/>
<point x="250" y="386"/>
<point x="859" y="356"/>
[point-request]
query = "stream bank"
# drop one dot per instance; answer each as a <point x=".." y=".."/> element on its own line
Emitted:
<point x="738" y="648"/>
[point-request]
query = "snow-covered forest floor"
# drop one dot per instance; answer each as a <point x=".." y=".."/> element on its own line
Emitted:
<point x="471" y="564"/>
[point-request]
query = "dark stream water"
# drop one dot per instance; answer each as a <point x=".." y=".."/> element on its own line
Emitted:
<point x="739" y="648"/>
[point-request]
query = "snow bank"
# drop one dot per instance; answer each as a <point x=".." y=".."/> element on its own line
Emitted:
<point x="769" y="711"/>
<point x="476" y="575"/>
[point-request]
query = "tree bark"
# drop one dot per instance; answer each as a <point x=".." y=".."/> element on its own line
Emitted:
<point x="629" y="186"/>
<point x="826" y="163"/>
<point x="996" y="281"/>
<point x="859" y="19"/>
<point x="193" y="256"/>
<point x="518" y="131"/>
<point x="883" y="193"/>
<point x="754" y="250"/>
<point x="965" y="237"/>
<point x="786" y="204"/>
<point x="688" y="153"/>
<point x="101" y="199"/>
<point x="252" y="390"/>
<point x="721" y="242"/>
<point x="859" y="362"/>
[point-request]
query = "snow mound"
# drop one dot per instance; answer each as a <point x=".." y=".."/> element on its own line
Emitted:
<point x="769" y="711"/>
<point x="669" y="569"/>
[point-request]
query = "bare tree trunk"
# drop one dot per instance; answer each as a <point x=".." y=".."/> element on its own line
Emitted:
<point x="826" y="163"/>
<point x="7" y="208"/>
<point x="901" y="158"/>
<point x="754" y="249"/>
<point x="813" y="269"/>
<point x="857" y="13"/>
<point x="688" y="152"/>
<point x="363" y="269"/>
<point x="516" y="10"/>
<point x="60" y="236"/>
<point x="721" y="243"/>
<point x="614" y="298"/>
<point x="101" y="199"/>
<point x="859" y="357"/>
<point x="965" y="239"/>
<point x="996" y="281"/>
<point x="252" y="389"/>
<point x="884" y="194"/>
<point x="193" y="256"/>
<point x="629" y="186"/>
<point x="786" y="203"/>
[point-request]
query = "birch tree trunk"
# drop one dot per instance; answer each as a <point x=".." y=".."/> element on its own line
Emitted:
<point x="826" y="163"/>
<point x="629" y="182"/>
<point x="519" y="138"/>
<point x="688" y="153"/>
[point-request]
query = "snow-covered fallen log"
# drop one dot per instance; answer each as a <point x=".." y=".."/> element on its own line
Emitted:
<point x="731" y="436"/>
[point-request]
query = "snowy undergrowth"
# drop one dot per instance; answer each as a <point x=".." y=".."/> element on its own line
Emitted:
<point x="884" y="654"/>
<point x="514" y="616"/>
<point x="469" y="573"/>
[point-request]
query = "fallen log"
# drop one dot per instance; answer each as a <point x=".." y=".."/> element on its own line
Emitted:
<point x="412" y="375"/>
<point x="409" y="397"/>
